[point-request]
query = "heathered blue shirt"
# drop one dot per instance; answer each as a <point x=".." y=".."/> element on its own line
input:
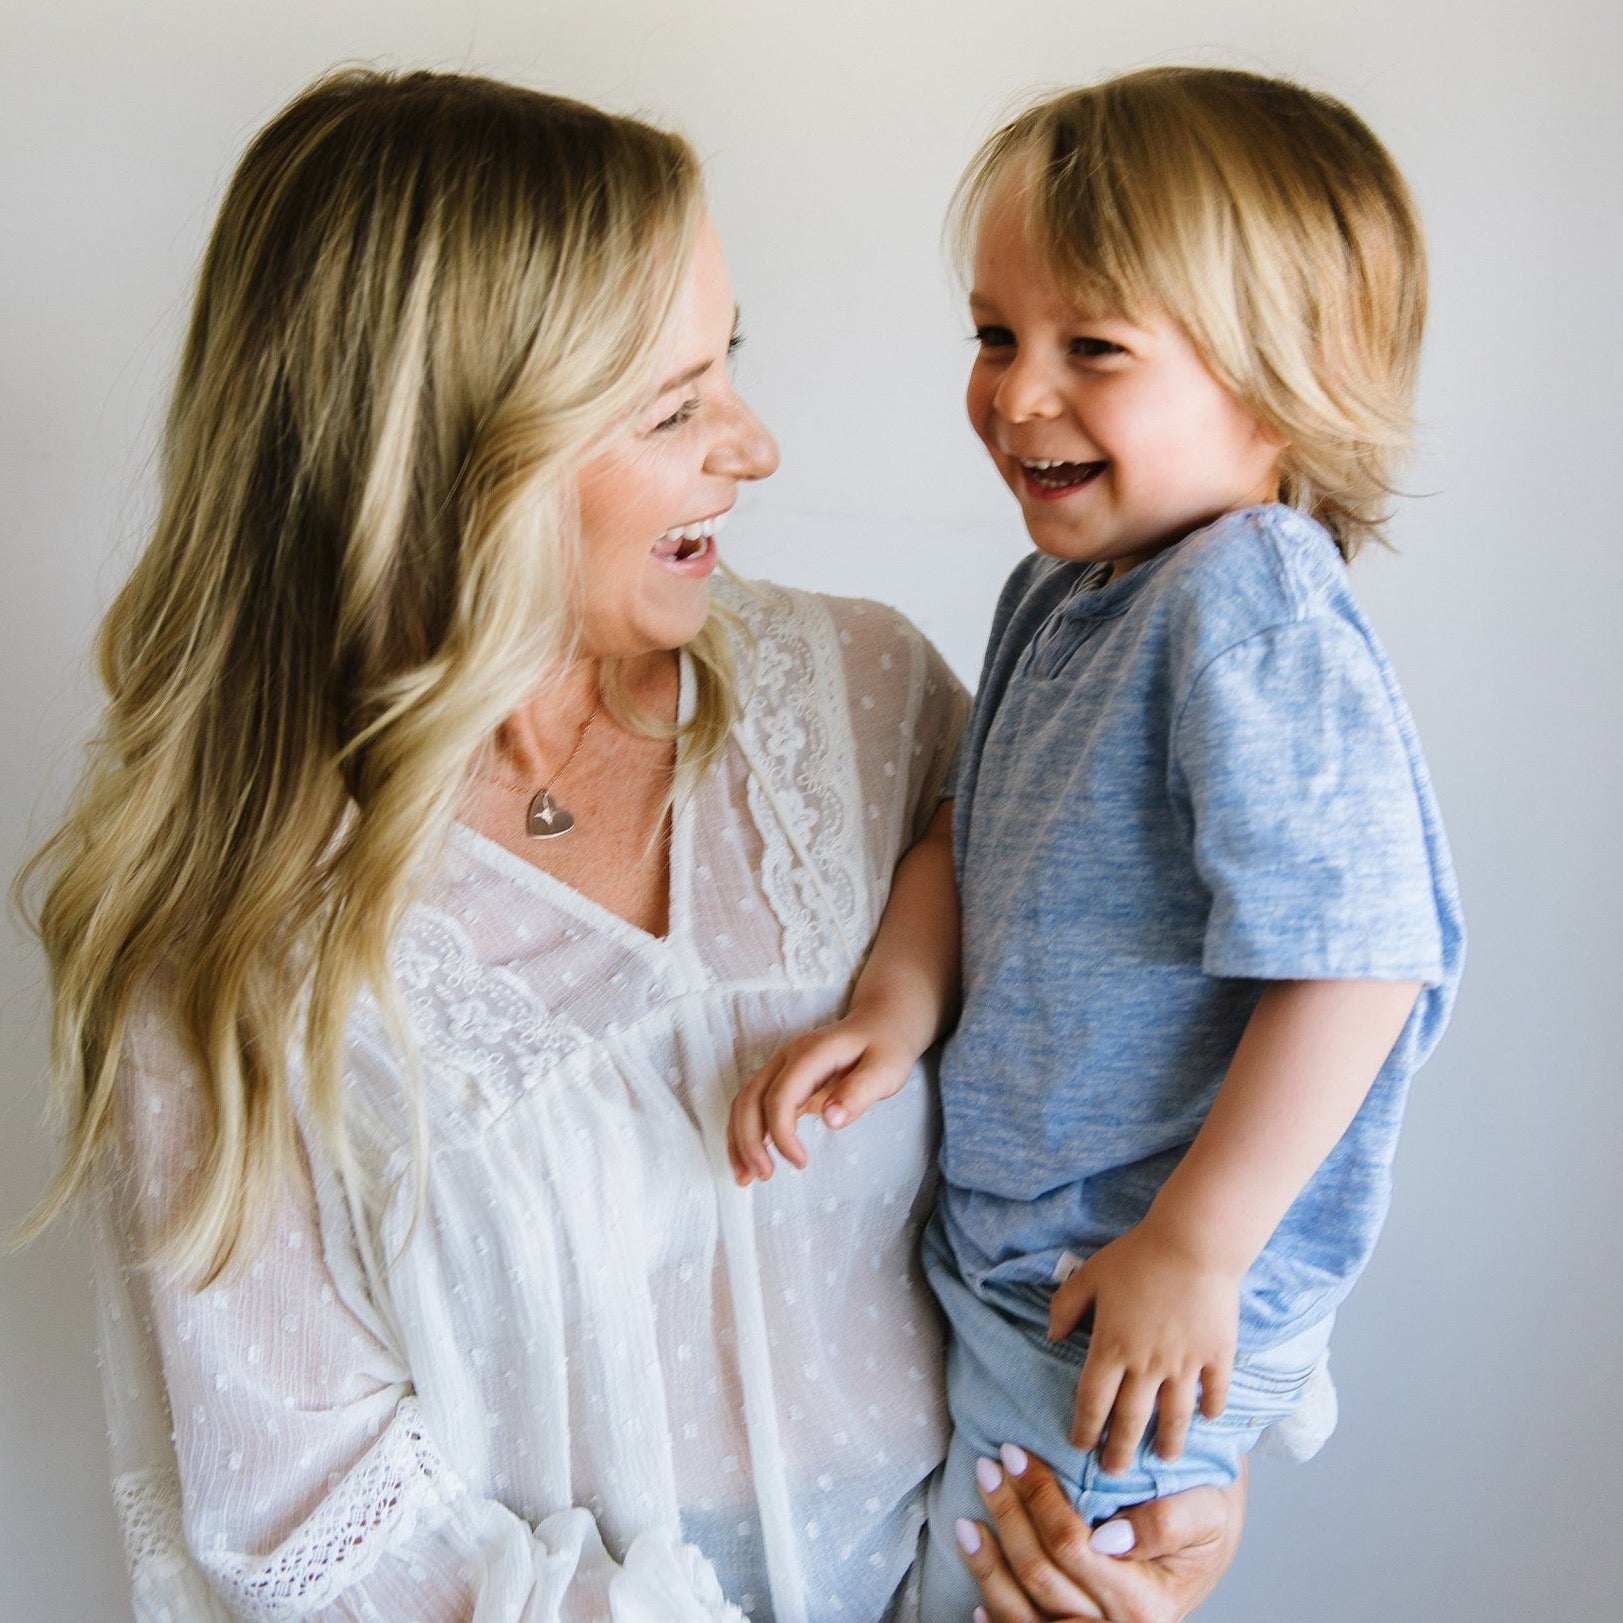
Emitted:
<point x="1174" y="787"/>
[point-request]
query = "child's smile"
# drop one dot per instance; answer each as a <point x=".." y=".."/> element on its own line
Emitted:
<point x="1112" y="432"/>
<point x="1048" y="480"/>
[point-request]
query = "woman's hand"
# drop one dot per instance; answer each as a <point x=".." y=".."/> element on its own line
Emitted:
<point x="1154" y="1563"/>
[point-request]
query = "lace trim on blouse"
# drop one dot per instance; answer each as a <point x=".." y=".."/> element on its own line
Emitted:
<point x="148" y="1505"/>
<point x="803" y="793"/>
<point x="402" y="1484"/>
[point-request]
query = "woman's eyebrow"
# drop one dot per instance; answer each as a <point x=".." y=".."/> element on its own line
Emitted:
<point x="684" y="378"/>
<point x="734" y="339"/>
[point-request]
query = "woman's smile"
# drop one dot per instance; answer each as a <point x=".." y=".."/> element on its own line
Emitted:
<point x="692" y="549"/>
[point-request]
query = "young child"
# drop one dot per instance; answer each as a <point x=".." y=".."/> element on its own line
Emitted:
<point x="1210" y="925"/>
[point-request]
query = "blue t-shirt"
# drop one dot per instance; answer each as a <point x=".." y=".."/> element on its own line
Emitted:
<point x="1174" y="787"/>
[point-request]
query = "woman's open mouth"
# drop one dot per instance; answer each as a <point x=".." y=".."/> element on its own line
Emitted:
<point x="1048" y="480"/>
<point x="690" y="549"/>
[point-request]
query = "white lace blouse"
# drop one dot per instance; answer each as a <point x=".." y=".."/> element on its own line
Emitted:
<point x="595" y="1380"/>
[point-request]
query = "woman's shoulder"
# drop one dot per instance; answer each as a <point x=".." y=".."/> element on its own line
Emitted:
<point x="768" y="608"/>
<point x="790" y="633"/>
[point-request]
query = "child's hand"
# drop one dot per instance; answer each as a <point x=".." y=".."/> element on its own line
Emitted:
<point x="1164" y="1320"/>
<point x="836" y="1072"/>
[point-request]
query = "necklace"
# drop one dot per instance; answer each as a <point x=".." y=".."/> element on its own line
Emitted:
<point x="545" y="819"/>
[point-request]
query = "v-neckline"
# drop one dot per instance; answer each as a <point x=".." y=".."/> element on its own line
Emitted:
<point x="586" y="909"/>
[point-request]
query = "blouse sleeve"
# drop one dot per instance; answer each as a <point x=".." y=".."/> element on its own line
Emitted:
<point x="270" y="1457"/>
<point x="908" y="711"/>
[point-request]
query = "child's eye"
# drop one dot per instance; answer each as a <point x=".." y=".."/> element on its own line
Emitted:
<point x="994" y="338"/>
<point x="683" y="414"/>
<point x="1093" y="349"/>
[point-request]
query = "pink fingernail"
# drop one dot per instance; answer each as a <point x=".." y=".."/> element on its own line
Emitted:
<point x="1014" y="1459"/>
<point x="1114" y="1538"/>
<point x="968" y="1535"/>
<point x="980" y="1615"/>
<point x="988" y="1475"/>
<point x="836" y="1116"/>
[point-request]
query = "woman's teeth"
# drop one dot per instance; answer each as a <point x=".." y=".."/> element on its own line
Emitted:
<point x="687" y="539"/>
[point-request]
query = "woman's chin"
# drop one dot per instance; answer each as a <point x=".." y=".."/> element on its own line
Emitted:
<point x="661" y="627"/>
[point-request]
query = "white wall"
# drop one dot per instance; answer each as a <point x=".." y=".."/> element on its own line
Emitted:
<point x="1477" y="1473"/>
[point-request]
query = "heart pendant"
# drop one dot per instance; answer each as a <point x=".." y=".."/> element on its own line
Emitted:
<point x="547" y="818"/>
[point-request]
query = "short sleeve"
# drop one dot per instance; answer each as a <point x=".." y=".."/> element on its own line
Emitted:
<point x="1295" y="768"/>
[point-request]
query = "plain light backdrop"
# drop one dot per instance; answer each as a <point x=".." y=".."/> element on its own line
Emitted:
<point x="1477" y="1471"/>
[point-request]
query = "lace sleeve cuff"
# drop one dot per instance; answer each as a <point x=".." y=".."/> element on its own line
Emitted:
<point x="401" y="1484"/>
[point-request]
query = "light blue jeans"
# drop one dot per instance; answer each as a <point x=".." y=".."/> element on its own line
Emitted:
<point x="1008" y="1383"/>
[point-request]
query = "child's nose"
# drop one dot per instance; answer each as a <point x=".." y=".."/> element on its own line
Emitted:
<point x="1026" y="390"/>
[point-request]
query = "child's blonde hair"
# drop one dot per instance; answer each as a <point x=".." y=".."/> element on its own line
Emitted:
<point x="1270" y="222"/>
<point x="425" y="299"/>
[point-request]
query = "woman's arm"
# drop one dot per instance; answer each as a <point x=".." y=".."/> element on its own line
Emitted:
<point x="1038" y="1561"/>
<point x="269" y="1442"/>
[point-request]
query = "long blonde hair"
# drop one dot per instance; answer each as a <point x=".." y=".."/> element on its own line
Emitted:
<point x="425" y="296"/>
<point x="1271" y="223"/>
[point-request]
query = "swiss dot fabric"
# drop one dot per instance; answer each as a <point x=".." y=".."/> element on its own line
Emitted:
<point x="595" y="1380"/>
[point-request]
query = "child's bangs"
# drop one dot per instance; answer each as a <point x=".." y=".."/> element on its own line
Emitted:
<point x="1117" y="237"/>
<point x="1095" y="243"/>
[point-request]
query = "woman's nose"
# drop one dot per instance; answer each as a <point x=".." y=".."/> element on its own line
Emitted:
<point x="744" y="449"/>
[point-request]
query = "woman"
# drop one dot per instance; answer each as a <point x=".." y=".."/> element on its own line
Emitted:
<point x="448" y="859"/>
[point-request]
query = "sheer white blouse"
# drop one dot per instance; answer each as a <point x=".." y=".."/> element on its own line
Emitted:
<point x="595" y="1379"/>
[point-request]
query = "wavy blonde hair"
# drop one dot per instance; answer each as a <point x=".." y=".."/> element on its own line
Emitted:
<point x="425" y="298"/>
<point x="1270" y="222"/>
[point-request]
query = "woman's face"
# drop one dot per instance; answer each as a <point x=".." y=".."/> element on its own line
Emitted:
<point x="652" y="499"/>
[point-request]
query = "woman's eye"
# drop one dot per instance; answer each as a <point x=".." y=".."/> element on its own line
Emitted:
<point x="1093" y="349"/>
<point x="683" y="414"/>
<point x="994" y="337"/>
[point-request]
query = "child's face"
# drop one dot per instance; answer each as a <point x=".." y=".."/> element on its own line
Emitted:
<point x="1114" y="435"/>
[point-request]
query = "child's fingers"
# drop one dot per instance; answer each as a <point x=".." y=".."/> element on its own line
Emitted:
<point x="782" y="1111"/>
<point x="746" y="1126"/>
<point x="1214" y="1388"/>
<point x="1129" y="1419"/>
<point x="810" y="1065"/>
<point x="1069" y="1305"/>
<point x="865" y="1084"/>
<point x="1095" y="1399"/>
<point x="1175" y="1409"/>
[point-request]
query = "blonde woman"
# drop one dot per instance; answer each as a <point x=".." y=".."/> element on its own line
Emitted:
<point x="449" y="856"/>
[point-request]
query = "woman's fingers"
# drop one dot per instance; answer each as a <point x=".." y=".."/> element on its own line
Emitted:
<point x="1004" y="1600"/>
<point x="1050" y="1564"/>
<point x="1024" y="1572"/>
<point x="1179" y="1547"/>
